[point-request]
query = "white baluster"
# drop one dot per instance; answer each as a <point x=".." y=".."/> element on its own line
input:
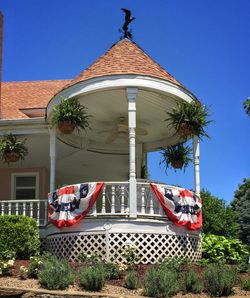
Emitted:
<point x="143" y="200"/>
<point x="103" y="200"/>
<point x="17" y="211"/>
<point x="9" y="208"/>
<point x="94" y="210"/>
<point x="122" y="199"/>
<point x="31" y="209"/>
<point x="38" y="213"/>
<point x="113" y="199"/>
<point x="24" y="208"/>
<point x="151" y="206"/>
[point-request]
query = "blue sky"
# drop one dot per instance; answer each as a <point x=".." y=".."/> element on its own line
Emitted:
<point x="204" y="44"/>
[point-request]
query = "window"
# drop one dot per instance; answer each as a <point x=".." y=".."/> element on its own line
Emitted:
<point x="25" y="186"/>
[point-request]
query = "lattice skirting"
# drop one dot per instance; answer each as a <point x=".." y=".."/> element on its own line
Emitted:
<point x="151" y="247"/>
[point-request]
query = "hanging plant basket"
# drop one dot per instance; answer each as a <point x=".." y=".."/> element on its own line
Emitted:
<point x="12" y="148"/>
<point x="189" y="119"/>
<point x="185" y="130"/>
<point x="11" y="156"/>
<point x="66" y="127"/>
<point x="177" y="164"/>
<point x="176" y="156"/>
<point x="68" y="115"/>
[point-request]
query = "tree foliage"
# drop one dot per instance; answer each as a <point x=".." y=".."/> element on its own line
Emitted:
<point x="218" y="219"/>
<point x="246" y="106"/>
<point x="241" y="206"/>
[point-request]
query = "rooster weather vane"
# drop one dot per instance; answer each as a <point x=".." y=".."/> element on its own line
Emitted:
<point x="126" y="32"/>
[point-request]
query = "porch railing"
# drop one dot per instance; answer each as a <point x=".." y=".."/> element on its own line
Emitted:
<point x="112" y="201"/>
<point x="36" y="209"/>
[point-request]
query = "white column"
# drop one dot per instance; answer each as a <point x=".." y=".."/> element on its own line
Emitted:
<point x="196" y="157"/>
<point x="139" y="160"/>
<point x="52" y="153"/>
<point x="131" y="95"/>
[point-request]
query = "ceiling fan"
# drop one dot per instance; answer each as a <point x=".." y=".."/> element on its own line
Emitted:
<point x="121" y="131"/>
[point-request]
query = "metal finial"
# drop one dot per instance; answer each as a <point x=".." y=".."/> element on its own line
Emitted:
<point x="126" y="32"/>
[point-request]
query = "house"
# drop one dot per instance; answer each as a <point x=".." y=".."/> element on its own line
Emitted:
<point x="127" y="94"/>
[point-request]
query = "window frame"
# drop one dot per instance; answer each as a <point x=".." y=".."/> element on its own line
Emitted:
<point x="24" y="174"/>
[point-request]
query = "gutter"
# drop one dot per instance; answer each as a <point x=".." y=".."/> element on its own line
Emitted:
<point x="24" y="121"/>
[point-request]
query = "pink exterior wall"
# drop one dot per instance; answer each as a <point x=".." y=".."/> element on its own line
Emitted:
<point x="5" y="181"/>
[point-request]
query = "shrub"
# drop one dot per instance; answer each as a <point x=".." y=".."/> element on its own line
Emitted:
<point x="190" y="282"/>
<point x="130" y="254"/>
<point x="160" y="283"/>
<point x="203" y="262"/>
<point x="23" y="272"/>
<point x="6" y="267"/>
<point x="7" y="255"/>
<point x="246" y="285"/>
<point x="132" y="280"/>
<point x="171" y="264"/>
<point x="35" y="266"/>
<point x="89" y="259"/>
<point x="219" y="279"/>
<point x="92" y="278"/>
<point x="112" y="271"/>
<point x="20" y="234"/>
<point x="217" y="248"/>
<point x="243" y="267"/>
<point x="55" y="274"/>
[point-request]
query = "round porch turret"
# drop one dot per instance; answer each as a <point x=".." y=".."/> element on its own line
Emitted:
<point x="127" y="94"/>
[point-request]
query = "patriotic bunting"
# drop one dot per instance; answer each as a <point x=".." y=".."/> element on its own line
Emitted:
<point x="69" y="204"/>
<point x="180" y="205"/>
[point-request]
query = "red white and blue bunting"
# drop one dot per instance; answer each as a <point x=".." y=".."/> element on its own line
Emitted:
<point x="181" y="206"/>
<point x="70" y="204"/>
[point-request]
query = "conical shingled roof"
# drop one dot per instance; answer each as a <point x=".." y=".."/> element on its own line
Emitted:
<point x="124" y="57"/>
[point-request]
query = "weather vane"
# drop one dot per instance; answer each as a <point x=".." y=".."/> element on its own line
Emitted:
<point x="126" y="32"/>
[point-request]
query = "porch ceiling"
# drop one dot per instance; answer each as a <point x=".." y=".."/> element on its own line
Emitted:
<point x="108" y="107"/>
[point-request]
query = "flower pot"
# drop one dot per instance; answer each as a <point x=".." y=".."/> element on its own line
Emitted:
<point x="184" y="130"/>
<point x="11" y="156"/>
<point x="66" y="127"/>
<point x="177" y="164"/>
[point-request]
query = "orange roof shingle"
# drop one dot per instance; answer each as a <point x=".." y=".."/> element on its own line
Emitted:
<point x="33" y="94"/>
<point x="124" y="57"/>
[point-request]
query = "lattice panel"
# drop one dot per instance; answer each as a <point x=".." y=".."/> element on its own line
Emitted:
<point x="69" y="246"/>
<point x="151" y="248"/>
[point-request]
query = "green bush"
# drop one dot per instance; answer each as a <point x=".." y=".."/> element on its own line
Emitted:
<point x="7" y="255"/>
<point x="171" y="264"/>
<point x="132" y="280"/>
<point x="92" y="278"/>
<point x="35" y="266"/>
<point x="112" y="271"/>
<point x="55" y="274"/>
<point x="160" y="283"/>
<point x="246" y="285"/>
<point x="243" y="267"/>
<point x="89" y="259"/>
<point x="19" y="234"/>
<point x="190" y="282"/>
<point x="219" y="248"/>
<point x="219" y="279"/>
